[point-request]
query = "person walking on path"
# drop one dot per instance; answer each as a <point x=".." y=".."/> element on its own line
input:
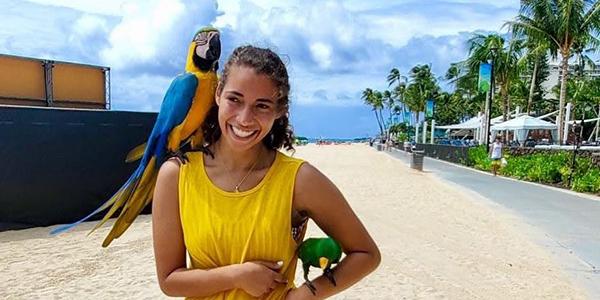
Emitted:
<point x="496" y="154"/>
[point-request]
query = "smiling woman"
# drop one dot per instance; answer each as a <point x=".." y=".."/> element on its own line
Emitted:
<point x="239" y="207"/>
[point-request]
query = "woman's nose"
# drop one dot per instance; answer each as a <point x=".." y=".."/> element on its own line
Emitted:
<point x="246" y="116"/>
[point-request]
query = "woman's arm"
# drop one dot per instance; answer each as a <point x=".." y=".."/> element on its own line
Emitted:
<point x="169" y="251"/>
<point x="319" y="197"/>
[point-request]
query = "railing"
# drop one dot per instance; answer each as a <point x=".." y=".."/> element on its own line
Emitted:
<point x="455" y="154"/>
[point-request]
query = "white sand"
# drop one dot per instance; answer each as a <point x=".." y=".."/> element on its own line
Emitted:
<point x="437" y="243"/>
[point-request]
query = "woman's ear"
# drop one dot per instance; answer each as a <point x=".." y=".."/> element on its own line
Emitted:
<point x="281" y="113"/>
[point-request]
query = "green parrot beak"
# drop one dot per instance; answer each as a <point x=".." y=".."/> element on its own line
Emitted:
<point x="323" y="262"/>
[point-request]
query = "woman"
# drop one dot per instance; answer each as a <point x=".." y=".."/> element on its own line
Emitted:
<point x="239" y="208"/>
<point x="496" y="154"/>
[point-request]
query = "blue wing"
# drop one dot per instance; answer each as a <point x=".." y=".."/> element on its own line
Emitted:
<point x="174" y="108"/>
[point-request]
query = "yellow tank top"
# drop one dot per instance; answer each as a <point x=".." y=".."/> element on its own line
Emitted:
<point x="222" y="228"/>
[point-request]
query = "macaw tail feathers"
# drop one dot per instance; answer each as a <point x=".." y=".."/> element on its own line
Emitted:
<point x="141" y="196"/>
<point x="122" y="194"/>
<point x="136" y="153"/>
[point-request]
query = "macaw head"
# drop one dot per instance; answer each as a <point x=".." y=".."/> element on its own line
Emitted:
<point x="204" y="51"/>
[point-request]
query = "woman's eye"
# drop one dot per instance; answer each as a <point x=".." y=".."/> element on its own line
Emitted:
<point x="263" y="106"/>
<point x="233" y="99"/>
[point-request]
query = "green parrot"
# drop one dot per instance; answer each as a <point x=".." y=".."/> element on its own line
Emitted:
<point x="320" y="253"/>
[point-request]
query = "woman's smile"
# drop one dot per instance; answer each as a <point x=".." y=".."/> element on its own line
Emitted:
<point x="242" y="134"/>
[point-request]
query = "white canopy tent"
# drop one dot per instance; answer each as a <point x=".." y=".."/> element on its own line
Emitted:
<point x="472" y="123"/>
<point x="522" y="124"/>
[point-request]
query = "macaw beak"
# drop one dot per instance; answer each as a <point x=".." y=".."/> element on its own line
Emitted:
<point x="208" y="45"/>
<point x="323" y="262"/>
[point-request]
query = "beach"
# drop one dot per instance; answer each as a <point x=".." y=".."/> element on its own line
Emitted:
<point x="437" y="242"/>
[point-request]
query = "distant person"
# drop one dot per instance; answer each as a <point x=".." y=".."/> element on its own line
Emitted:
<point x="496" y="154"/>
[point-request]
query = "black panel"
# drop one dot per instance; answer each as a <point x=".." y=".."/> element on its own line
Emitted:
<point x="57" y="165"/>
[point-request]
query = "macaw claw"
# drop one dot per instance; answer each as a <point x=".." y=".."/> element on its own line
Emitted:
<point x="180" y="155"/>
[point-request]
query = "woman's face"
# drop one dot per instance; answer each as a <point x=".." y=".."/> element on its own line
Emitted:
<point x="247" y="107"/>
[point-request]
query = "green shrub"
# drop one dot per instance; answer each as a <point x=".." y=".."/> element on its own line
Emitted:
<point x="588" y="182"/>
<point x="478" y="158"/>
<point x="544" y="168"/>
<point x="549" y="168"/>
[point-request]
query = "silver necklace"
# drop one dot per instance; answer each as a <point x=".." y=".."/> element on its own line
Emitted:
<point x="237" y="186"/>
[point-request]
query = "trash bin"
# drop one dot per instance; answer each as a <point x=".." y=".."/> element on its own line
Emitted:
<point x="379" y="147"/>
<point x="416" y="160"/>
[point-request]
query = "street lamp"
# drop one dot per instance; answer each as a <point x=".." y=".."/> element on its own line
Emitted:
<point x="489" y="100"/>
<point x="578" y="139"/>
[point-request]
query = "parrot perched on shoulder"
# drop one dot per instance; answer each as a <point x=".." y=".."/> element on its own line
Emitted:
<point x="319" y="253"/>
<point x="182" y="112"/>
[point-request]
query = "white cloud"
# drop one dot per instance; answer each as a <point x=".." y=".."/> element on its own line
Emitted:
<point x="321" y="53"/>
<point x="142" y="31"/>
<point x="335" y="48"/>
<point x="140" y="93"/>
<point x="106" y="7"/>
<point x="87" y="24"/>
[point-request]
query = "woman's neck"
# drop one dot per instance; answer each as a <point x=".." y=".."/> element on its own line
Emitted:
<point x="233" y="159"/>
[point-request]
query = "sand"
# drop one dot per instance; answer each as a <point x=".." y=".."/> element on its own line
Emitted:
<point x="437" y="242"/>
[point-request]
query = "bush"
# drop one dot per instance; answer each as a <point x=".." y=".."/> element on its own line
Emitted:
<point x="478" y="158"/>
<point x="544" y="168"/>
<point x="588" y="182"/>
<point x="548" y="168"/>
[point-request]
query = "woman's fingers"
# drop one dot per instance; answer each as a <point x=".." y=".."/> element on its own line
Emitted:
<point x="270" y="264"/>
<point x="279" y="278"/>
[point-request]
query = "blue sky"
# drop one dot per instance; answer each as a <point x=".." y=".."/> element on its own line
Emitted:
<point x="333" y="49"/>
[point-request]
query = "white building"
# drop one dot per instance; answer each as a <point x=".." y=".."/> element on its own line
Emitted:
<point x="555" y="76"/>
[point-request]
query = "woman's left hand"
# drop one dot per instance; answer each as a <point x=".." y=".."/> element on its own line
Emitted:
<point x="301" y="293"/>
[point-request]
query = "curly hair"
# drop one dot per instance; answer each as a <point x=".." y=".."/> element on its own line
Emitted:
<point x="264" y="62"/>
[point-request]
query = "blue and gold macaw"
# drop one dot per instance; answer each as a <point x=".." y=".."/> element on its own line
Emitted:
<point x="182" y="112"/>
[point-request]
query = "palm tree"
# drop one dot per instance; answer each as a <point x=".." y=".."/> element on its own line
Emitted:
<point x="504" y="57"/>
<point x="395" y="77"/>
<point x="374" y="99"/>
<point x="453" y="73"/>
<point x="422" y="87"/>
<point x="537" y="52"/>
<point x="388" y="101"/>
<point x="561" y="23"/>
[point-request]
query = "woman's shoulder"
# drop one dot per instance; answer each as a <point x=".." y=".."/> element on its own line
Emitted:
<point x="170" y="167"/>
<point x="288" y="157"/>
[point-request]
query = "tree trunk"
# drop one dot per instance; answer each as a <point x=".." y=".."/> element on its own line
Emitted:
<point x="378" y="123"/>
<point x="563" y="92"/>
<point x="532" y="86"/>
<point x="504" y="95"/>
<point x="382" y="121"/>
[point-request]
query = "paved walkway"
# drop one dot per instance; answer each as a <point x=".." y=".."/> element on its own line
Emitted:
<point x="570" y="221"/>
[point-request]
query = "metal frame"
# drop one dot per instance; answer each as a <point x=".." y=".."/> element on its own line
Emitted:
<point x="107" y="94"/>
<point x="48" y="65"/>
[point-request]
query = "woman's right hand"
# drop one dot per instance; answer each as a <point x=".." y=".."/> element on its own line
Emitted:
<point x="258" y="278"/>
